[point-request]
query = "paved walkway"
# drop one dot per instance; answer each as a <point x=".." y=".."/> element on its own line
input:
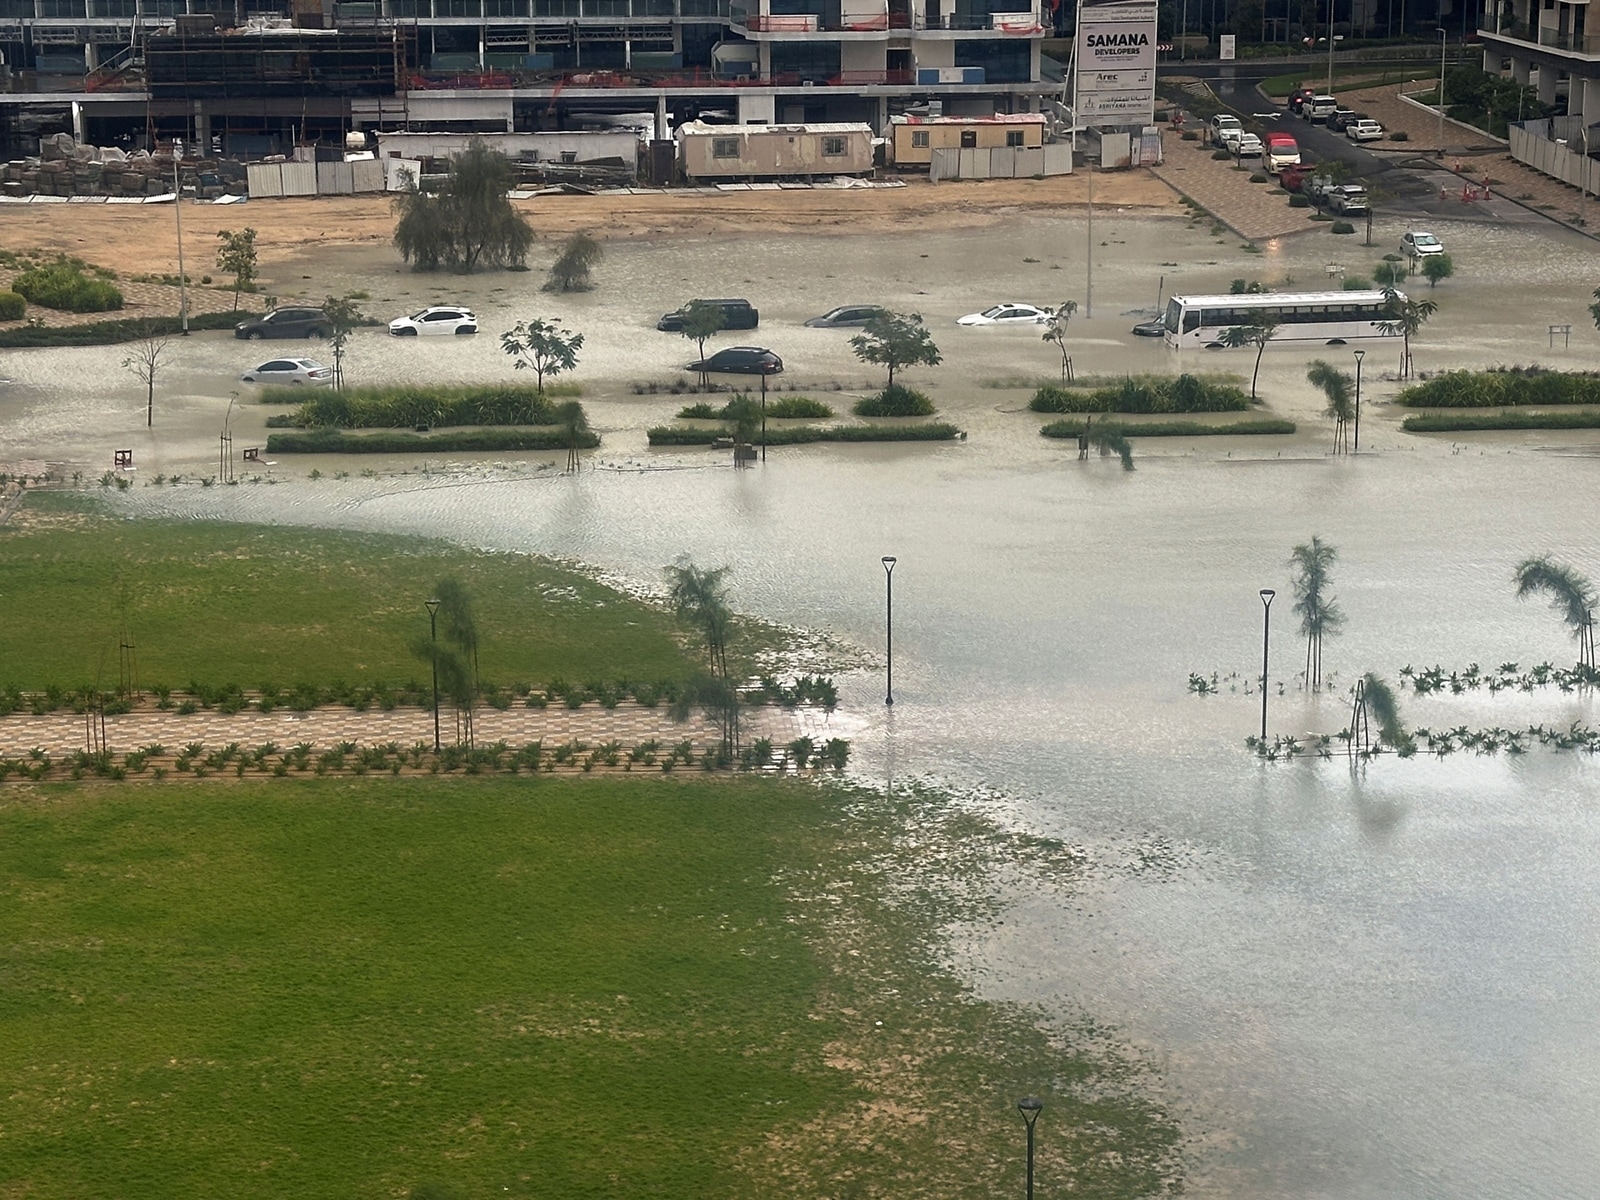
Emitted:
<point x="1256" y="211"/>
<point x="629" y="723"/>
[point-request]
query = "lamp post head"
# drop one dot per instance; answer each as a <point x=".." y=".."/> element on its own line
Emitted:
<point x="1029" y="1107"/>
<point x="431" y="605"/>
<point x="1360" y="354"/>
<point x="888" y="563"/>
<point x="1266" y="596"/>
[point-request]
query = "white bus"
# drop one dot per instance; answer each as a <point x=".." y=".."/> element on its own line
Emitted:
<point x="1331" y="317"/>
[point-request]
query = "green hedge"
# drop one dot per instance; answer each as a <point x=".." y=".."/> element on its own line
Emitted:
<point x="109" y="333"/>
<point x="404" y="406"/>
<point x="1145" y="394"/>
<point x="1582" y="418"/>
<point x="930" y="431"/>
<point x="895" y="401"/>
<point x="64" y="286"/>
<point x="1071" y="429"/>
<point x="12" y="306"/>
<point x="1503" y="387"/>
<point x="331" y="441"/>
<point x="787" y="408"/>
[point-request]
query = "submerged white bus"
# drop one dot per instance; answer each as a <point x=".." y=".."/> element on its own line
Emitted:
<point x="1330" y="317"/>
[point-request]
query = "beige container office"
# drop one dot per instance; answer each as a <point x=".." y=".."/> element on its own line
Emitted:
<point x="713" y="152"/>
<point x="912" y="140"/>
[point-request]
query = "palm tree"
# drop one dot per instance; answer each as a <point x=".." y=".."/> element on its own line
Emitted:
<point x="574" y="424"/>
<point x="718" y="698"/>
<point x="1336" y="386"/>
<point x="1257" y="332"/>
<point x="698" y="597"/>
<point x="1571" y="595"/>
<point x="1376" y="699"/>
<point x="1406" y="318"/>
<point x="1320" y="614"/>
<point x="1108" y="439"/>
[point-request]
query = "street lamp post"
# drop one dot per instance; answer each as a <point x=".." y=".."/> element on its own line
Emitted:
<point x="177" y="212"/>
<point x="888" y="598"/>
<point x="433" y="639"/>
<point x="1029" y="1107"/>
<point x="1330" y="47"/>
<point x="1266" y="629"/>
<point x="1442" y="44"/>
<point x="763" y="416"/>
<point x="1360" y="354"/>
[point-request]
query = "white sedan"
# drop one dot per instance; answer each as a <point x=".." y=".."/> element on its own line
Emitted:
<point x="293" y="372"/>
<point x="1417" y="244"/>
<point x="441" y="319"/>
<point x="1007" y="314"/>
<point x="1363" y="131"/>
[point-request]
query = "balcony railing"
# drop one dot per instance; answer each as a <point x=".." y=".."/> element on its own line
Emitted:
<point x="1554" y="39"/>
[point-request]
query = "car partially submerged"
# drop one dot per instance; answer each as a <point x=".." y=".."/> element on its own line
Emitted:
<point x="849" y="316"/>
<point x="294" y="372"/>
<point x="740" y="360"/>
<point x="1007" y="314"/>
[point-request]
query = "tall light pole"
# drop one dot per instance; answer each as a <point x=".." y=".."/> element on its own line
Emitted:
<point x="1029" y="1107"/>
<point x="177" y="208"/>
<point x="1330" y="47"/>
<point x="1442" y="44"/>
<point x="888" y="598"/>
<point x="433" y="639"/>
<point x="1360" y="354"/>
<point x="1266" y="629"/>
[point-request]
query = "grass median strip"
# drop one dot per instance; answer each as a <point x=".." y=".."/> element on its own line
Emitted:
<point x="1514" y="419"/>
<point x="1072" y="428"/>
<point x="578" y="988"/>
<point x="930" y="431"/>
<point x="333" y="441"/>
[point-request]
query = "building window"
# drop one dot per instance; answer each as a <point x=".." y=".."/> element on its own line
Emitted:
<point x="833" y="147"/>
<point x="919" y="139"/>
<point x="1013" y="137"/>
<point x="725" y="147"/>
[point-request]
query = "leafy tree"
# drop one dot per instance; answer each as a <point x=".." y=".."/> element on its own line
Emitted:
<point x="896" y="341"/>
<point x="1056" y="332"/>
<point x="469" y="222"/>
<point x="237" y="256"/>
<point x="574" y="424"/>
<point x="702" y="320"/>
<point x="1376" y="699"/>
<point x="1406" y="317"/>
<point x="1257" y="333"/>
<point x="718" y="698"/>
<point x="1312" y="567"/>
<point x="1388" y="274"/>
<point x="1594" y="309"/>
<point x="1436" y="267"/>
<point x="1338" y="387"/>
<point x="343" y="318"/>
<point x="543" y="347"/>
<point x="744" y="415"/>
<point x="148" y="356"/>
<point x="570" y="271"/>
<point x="1571" y="595"/>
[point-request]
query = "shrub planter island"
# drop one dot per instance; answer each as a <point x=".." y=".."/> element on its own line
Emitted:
<point x="1145" y="394"/>
<point x="1503" y="387"/>
<point x="334" y="441"/>
<point x="928" y="431"/>
<point x="1071" y="428"/>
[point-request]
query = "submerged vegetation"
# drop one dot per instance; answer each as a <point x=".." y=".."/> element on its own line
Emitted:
<point x="1144" y="394"/>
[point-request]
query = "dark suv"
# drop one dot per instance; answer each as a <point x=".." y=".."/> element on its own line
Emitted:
<point x="736" y="314"/>
<point x="285" y="323"/>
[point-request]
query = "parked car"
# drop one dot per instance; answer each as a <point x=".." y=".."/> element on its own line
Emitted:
<point x="736" y="314"/>
<point x="1282" y="151"/>
<point x="1006" y="314"/>
<point x="1156" y="328"/>
<point x="1349" y="198"/>
<point x="848" y="317"/>
<point x="1298" y="97"/>
<point x="1318" y="109"/>
<point x="740" y="360"/>
<point x="1247" y="146"/>
<point x="1224" y="128"/>
<point x="285" y="323"/>
<point x="1418" y="244"/>
<point x="1364" y="131"/>
<point x="293" y="371"/>
<point x="439" y="319"/>
<point x="1341" y="119"/>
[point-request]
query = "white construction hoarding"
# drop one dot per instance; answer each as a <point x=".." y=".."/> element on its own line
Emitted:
<point x="1114" y="82"/>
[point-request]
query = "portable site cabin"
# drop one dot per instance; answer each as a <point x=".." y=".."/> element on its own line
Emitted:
<point x="913" y="140"/>
<point x="774" y="151"/>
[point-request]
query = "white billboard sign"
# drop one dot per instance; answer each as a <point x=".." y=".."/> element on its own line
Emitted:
<point x="1227" y="44"/>
<point x="1115" y="78"/>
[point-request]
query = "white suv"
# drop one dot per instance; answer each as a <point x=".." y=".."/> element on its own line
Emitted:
<point x="1318" y="108"/>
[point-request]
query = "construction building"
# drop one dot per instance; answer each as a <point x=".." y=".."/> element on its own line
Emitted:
<point x="132" y="73"/>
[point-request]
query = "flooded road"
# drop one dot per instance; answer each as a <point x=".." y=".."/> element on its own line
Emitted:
<point x="1360" y="984"/>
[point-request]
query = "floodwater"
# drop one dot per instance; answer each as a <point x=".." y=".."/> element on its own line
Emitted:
<point x="1359" y="983"/>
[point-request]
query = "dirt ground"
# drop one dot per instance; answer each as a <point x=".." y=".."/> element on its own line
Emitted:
<point x="140" y="238"/>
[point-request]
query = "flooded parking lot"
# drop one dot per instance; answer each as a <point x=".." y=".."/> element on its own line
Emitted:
<point x="1367" y="983"/>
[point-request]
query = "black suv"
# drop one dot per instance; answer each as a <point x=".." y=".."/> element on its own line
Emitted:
<point x="741" y="360"/>
<point x="736" y="314"/>
<point x="285" y="323"/>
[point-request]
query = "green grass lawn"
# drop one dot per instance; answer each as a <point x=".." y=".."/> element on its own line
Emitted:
<point x="249" y="604"/>
<point x="563" y="989"/>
